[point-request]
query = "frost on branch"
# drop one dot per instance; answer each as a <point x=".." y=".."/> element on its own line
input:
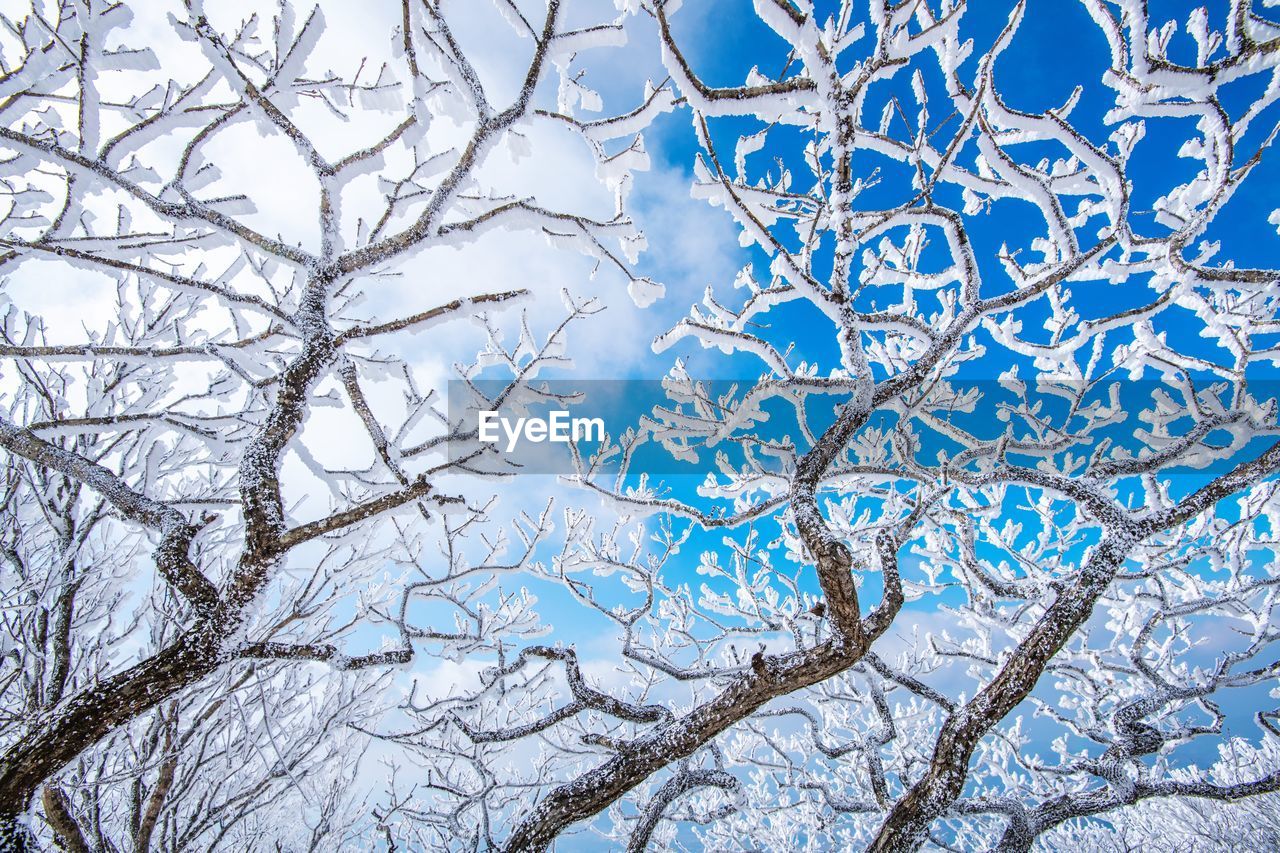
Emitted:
<point x="226" y="517"/>
<point x="985" y="548"/>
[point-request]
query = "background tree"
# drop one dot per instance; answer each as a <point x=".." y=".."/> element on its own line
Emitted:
<point x="993" y="553"/>
<point x="188" y="573"/>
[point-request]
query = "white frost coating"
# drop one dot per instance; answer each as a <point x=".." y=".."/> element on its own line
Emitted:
<point x="601" y="36"/>
<point x="644" y="291"/>
<point x="1122" y="678"/>
<point x="230" y="416"/>
<point x="1043" y="526"/>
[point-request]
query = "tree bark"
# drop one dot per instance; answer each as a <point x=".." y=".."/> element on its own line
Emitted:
<point x="66" y="832"/>
<point x="84" y="719"/>
<point x="907" y="826"/>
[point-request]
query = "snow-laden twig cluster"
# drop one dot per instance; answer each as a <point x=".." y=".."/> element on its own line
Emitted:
<point x="190" y="579"/>
<point x="1009" y="560"/>
<point x="985" y="548"/>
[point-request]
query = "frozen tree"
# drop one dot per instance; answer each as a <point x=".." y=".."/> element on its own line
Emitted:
<point x="134" y="793"/>
<point x="198" y="593"/>
<point x="988" y="546"/>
